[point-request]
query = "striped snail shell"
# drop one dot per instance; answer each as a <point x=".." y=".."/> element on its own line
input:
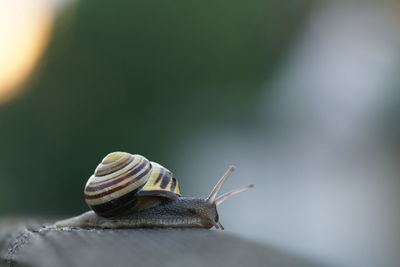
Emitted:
<point x="121" y="179"/>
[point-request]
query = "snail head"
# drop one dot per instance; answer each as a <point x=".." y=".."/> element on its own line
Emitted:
<point x="213" y="201"/>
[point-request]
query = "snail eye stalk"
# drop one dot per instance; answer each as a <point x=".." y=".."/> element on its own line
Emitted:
<point x="213" y="195"/>
<point x="212" y="198"/>
<point x="225" y="196"/>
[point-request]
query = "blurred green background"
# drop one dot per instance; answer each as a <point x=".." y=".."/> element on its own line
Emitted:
<point x="134" y="76"/>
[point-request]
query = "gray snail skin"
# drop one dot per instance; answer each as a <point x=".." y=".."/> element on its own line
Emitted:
<point x="128" y="191"/>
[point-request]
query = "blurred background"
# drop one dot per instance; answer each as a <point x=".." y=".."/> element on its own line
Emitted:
<point x="302" y="96"/>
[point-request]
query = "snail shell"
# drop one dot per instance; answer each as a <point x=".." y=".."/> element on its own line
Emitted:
<point x="122" y="178"/>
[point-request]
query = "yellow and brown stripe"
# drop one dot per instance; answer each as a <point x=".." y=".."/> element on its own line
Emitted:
<point x="117" y="179"/>
<point x="160" y="183"/>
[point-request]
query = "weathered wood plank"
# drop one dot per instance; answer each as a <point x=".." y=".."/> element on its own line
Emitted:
<point x="32" y="245"/>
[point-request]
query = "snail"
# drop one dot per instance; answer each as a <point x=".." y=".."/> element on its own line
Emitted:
<point x="129" y="191"/>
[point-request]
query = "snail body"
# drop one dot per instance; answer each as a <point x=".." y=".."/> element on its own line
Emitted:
<point x="181" y="212"/>
<point x="128" y="191"/>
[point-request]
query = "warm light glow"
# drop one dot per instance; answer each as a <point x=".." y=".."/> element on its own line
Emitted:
<point x="24" y="33"/>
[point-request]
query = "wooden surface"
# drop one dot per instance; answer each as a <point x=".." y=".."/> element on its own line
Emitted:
<point x="28" y="243"/>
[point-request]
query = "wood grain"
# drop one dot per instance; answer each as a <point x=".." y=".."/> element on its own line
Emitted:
<point x="28" y="243"/>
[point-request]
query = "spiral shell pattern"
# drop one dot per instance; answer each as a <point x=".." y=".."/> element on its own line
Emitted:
<point x="161" y="183"/>
<point x="112" y="189"/>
